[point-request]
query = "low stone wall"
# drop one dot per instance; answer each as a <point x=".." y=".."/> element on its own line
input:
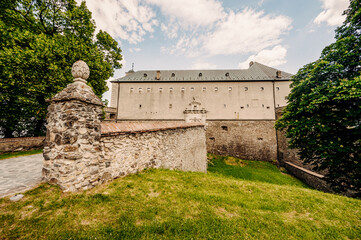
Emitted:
<point x="180" y="146"/>
<point x="252" y="140"/>
<point x="20" y="144"/>
<point x="290" y="160"/>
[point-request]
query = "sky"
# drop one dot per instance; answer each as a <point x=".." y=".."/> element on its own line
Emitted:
<point x="217" y="34"/>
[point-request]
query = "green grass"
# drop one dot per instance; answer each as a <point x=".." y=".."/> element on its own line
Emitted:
<point x="19" y="154"/>
<point x="234" y="200"/>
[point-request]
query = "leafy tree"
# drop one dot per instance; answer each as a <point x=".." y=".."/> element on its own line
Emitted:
<point x="323" y="117"/>
<point x="39" y="42"/>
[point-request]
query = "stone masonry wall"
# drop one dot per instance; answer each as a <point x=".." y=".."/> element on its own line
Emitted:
<point x="182" y="149"/>
<point x="20" y="144"/>
<point x="252" y="140"/>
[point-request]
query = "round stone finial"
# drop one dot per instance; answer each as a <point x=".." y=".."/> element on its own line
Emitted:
<point x="80" y="70"/>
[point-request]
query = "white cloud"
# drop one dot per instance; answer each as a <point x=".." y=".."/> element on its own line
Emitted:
<point x="203" y="65"/>
<point x="245" y="32"/>
<point x="134" y="50"/>
<point x="332" y="13"/>
<point x="125" y="19"/>
<point x="190" y="12"/>
<point x="274" y="57"/>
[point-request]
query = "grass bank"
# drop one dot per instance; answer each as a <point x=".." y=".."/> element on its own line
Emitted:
<point x="235" y="200"/>
<point x="19" y="154"/>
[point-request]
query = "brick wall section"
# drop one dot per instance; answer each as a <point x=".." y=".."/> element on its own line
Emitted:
<point x="251" y="140"/>
<point x="20" y="144"/>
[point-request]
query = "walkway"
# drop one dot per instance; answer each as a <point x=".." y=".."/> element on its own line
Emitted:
<point x="20" y="174"/>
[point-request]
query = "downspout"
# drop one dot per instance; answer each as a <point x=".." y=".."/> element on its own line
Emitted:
<point x="116" y="117"/>
<point x="274" y="104"/>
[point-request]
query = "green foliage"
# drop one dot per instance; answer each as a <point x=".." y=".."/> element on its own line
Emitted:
<point x="39" y="42"/>
<point x="19" y="154"/>
<point x="164" y="204"/>
<point x="323" y="117"/>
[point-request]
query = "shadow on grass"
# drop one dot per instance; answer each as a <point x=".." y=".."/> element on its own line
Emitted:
<point x="250" y="170"/>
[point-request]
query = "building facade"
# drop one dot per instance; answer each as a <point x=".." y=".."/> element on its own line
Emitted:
<point x="239" y="106"/>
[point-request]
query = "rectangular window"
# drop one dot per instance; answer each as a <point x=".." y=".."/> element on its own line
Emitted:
<point x="204" y="89"/>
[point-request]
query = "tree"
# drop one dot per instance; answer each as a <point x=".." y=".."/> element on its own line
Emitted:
<point x="39" y="42"/>
<point x="323" y="117"/>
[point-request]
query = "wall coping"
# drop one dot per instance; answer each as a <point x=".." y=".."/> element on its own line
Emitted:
<point x="20" y="139"/>
<point x="305" y="170"/>
<point x="111" y="128"/>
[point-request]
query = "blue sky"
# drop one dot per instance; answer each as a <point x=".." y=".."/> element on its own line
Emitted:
<point x="218" y="34"/>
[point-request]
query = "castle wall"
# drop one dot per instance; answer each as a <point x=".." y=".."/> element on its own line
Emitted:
<point x="251" y="140"/>
<point x="183" y="148"/>
<point x="222" y="100"/>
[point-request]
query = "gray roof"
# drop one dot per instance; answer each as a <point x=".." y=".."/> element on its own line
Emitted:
<point x="255" y="72"/>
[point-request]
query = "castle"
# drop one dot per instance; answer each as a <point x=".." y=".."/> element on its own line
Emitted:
<point x="238" y="106"/>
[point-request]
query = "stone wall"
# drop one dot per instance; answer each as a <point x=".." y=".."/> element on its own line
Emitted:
<point x="20" y="144"/>
<point x="252" y="140"/>
<point x="181" y="147"/>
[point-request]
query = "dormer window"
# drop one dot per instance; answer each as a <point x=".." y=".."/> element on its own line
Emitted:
<point x="170" y="89"/>
<point x="145" y="75"/>
<point x="200" y="74"/>
<point x="245" y="88"/>
<point x="131" y="89"/>
<point x="227" y="74"/>
<point x="230" y="89"/>
<point x="192" y="89"/>
<point x="182" y="89"/>
<point x="216" y="89"/>
<point x="140" y="89"/>
<point x="262" y="88"/>
<point x="173" y="74"/>
<point x="160" y="89"/>
<point x="148" y="89"/>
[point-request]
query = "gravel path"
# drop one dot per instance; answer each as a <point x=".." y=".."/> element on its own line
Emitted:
<point x="20" y="174"/>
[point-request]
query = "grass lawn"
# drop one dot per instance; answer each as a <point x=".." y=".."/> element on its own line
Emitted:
<point x="19" y="154"/>
<point x="234" y="200"/>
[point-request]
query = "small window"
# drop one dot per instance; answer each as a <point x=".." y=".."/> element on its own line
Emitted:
<point x="170" y="106"/>
<point x="224" y="128"/>
<point x="145" y="75"/>
<point x="230" y="89"/>
<point x="173" y="74"/>
<point x="140" y="105"/>
<point x="268" y="107"/>
<point x="140" y="89"/>
<point x="160" y="89"/>
<point x="212" y="138"/>
<point x="200" y="74"/>
<point x="262" y="88"/>
<point x="131" y="89"/>
<point x="278" y="88"/>
<point x="148" y="89"/>
<point x="227" y="74"/>
<point x="216" y="89"/>
<point x="224" y="105"/>
<point x="192" y="89"/>
<point x="242" y="107"/>
<point x="247" y="105"/>
<point x="245" y="88"/>
<point x="263" y="105"/>
<point x="182" y="89"/>
<point x="171" y="89"/>
<point x="278" y="105"/>
<point x="204" y="89"/>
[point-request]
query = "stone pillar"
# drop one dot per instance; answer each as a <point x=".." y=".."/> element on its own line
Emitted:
<point x="72" y="152"/>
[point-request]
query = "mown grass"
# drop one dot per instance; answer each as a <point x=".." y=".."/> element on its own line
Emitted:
<point x="231" y="201"/>
<point x="19" y="154"/>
